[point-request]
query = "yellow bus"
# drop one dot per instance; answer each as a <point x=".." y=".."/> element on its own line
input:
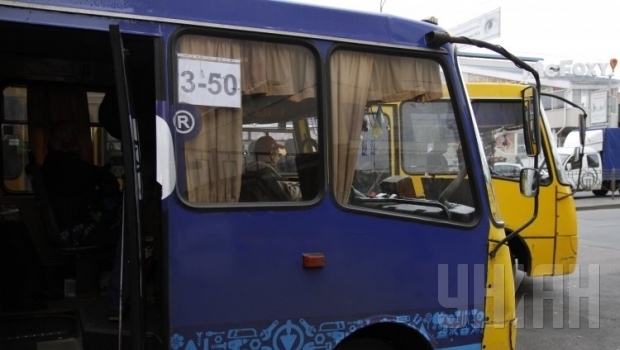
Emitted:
<point x="549" y="244"/>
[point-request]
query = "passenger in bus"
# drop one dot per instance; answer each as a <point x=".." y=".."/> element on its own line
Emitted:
<point x="261" y="180"/>
<point x="86" y="200"/>
<point x="85" y="197"/>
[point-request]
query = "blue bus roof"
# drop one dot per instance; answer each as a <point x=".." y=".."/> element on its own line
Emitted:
<point x="263" y="15"/>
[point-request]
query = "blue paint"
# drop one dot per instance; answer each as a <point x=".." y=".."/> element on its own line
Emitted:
<point x="269" y="15"/>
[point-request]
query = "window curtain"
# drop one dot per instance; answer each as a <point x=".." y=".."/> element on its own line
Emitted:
<point x="214" y="158"/>
<point x="361" y="78"/>
<point x="274" y="79"/>
<point x="278" y="79"/>
<point x="47" y="105"/>
<point x="350" y="83"/>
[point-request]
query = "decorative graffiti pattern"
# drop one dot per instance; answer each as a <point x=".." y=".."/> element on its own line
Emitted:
<point x="299" y="334"/>
<point x="588" y="181"/>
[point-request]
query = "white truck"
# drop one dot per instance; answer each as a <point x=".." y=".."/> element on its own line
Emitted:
<point x="598" y="168"/>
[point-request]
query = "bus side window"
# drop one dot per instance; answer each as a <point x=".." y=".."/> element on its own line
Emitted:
<point x="216" y="164"/>
<point x="574" y="163"/>
<point x="11" y="149"/>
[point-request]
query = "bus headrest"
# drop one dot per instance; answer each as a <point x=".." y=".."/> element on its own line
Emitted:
<point x="109" y="115"/>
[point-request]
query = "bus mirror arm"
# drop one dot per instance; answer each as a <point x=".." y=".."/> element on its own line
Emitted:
<point x="514" y="233"/>
<point x="445" y="195"/>
<point x="584" y="116"/>
<point x="582" y="132"/>
<point x="437" y="38"/>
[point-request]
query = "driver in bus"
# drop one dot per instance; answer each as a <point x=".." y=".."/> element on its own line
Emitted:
<point x="261" y="180"/>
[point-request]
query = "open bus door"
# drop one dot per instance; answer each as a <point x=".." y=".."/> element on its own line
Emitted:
<point x="132" y="192"/>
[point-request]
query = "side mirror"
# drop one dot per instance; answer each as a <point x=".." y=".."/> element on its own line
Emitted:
<point x="531" y="125"/>
<point x="577" y="153"/>
<point x="529" y="181"/>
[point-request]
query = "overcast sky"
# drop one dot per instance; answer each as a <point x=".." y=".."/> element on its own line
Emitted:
<point x="583" y="32"/>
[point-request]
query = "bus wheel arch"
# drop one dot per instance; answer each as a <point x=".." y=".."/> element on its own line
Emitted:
<point x="385" y="336"/>
<point x="520" y="253"/>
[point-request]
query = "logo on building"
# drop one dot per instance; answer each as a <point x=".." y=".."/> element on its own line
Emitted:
<point x="569" y="67"/>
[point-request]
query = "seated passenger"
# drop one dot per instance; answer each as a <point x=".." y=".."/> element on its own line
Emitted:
<point x="85" y="198"/>
<point x="261" y="181"/>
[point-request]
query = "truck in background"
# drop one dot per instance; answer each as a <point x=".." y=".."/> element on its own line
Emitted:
<point x="596" y="167"/>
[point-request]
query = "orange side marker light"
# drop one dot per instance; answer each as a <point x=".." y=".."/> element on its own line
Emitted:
<point x="313" y="260"/>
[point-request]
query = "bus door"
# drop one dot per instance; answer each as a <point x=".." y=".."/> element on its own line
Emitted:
<point x="131" y="239"/>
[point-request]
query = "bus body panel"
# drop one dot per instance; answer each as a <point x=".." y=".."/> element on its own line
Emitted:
<point x="244" y="278"/>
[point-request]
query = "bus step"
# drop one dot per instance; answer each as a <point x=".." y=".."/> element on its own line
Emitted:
<point x="29" y="332"/>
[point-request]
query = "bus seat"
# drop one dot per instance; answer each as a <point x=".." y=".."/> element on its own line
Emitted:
<point x="434" y="186"/>
<point x="402" y="186"/>
<point x="308" y="172"/>
<point x="109" y="114"/>
<point x="86" y="269"/>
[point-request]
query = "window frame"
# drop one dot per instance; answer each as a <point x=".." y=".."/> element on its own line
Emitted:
<point x="241" y="36"/>
<point x="449" y="80"/>
<point x="98" y="153"/>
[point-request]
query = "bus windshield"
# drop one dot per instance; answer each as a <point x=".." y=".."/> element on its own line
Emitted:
<point x="501" y="128"/>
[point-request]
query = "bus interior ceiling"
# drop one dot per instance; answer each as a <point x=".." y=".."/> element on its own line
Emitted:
<point x="53" y="57"/>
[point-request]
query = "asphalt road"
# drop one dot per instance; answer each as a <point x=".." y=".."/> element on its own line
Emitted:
<point x="582" y="310"/>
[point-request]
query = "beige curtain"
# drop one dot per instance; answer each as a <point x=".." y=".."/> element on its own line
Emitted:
<point x="285" y="71"/>
<point x="350" y="81"/>
<point x="214" y="158"/>
<point x="404" y="78"/>
<point x="47" y="105"/>
<point x="361" y="78"/>
<point x="274" y="78"/>
<point x="278" y="79"/>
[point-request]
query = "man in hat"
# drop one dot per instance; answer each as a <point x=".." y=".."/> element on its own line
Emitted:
<point x="261" y="180"/>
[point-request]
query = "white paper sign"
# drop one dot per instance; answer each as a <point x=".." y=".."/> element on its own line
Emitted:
<point x="209" y="81"/>
<point x="598" y="107"/>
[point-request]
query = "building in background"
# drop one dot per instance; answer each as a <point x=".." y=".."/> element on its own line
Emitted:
<point x="589" y="84"/>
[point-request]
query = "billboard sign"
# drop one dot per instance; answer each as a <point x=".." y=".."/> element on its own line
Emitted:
<point x="484" y="27"/>
<point x="598" y="107"/>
